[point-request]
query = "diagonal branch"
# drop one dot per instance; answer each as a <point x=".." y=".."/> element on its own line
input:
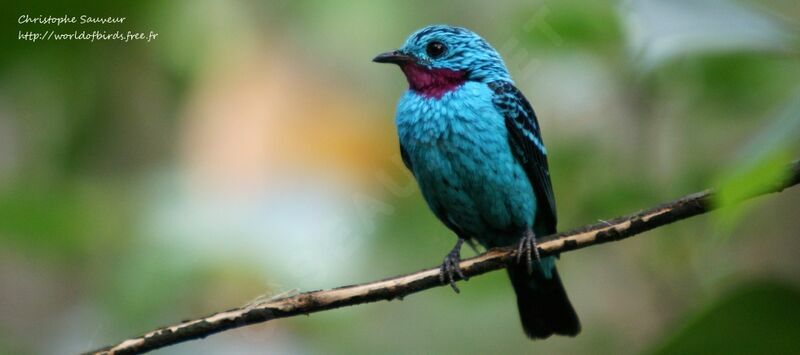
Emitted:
<point x="400" y="286"/>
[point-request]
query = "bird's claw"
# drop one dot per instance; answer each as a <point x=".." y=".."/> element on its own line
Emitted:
<point x="526" y="246"/>
<point x="450" y="267"/>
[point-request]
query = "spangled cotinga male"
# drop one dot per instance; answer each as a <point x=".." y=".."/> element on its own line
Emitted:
<point x="473" y="143"/>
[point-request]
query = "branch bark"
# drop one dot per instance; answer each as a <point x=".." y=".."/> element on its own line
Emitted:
<point x="400" y="286"/>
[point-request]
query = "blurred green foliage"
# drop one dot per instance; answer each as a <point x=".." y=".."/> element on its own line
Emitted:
<point x="572" y="25"/>
<point x="755" y="318"/>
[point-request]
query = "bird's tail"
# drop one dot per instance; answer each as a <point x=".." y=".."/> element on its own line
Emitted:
<point x="543" y="304"/>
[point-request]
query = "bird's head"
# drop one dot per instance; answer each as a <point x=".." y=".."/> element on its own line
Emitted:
<point x="439" y="58"/>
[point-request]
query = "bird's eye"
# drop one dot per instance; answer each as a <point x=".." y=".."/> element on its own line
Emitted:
<point x="435" y="49"/>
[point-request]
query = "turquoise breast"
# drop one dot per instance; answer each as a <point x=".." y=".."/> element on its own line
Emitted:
<point x="459" y="152"/>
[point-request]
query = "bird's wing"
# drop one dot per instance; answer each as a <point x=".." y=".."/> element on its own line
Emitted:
<point x="526" y="142"/>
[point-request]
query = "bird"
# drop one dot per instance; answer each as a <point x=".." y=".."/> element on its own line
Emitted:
<point x="473" y="144"/>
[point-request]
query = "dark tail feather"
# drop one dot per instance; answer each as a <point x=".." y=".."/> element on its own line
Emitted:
<point x="543" y="304"/>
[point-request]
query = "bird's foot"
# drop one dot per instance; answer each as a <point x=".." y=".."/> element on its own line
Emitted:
<point x="450" y="267"/>
<point x="527" y="246"/>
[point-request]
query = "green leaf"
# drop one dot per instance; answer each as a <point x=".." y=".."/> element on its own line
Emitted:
<point x="763" y="166"/>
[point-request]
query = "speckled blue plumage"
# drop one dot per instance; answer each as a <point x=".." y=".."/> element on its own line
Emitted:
<point x="473" y="143"/>
<point x="466" y="52"/>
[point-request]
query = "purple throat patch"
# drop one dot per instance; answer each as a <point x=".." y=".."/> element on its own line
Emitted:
<point x="432" y="83"/>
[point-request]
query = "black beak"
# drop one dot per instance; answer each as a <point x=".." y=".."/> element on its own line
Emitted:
<point x="395" y="57"/>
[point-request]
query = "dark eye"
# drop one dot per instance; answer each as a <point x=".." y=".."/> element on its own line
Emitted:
<point x="435" y="49"/>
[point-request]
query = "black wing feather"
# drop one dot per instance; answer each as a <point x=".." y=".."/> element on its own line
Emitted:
<point x="523" y="129"/>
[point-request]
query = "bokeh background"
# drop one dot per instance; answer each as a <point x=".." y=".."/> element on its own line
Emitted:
<point x="250" y="150"/>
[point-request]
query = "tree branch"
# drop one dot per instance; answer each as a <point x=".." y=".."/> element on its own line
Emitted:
<point x="400" y="286"/>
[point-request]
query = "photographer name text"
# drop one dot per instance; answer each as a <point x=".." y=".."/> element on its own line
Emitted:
<point x="88" y="35"/>
<point x="66" y="19"/>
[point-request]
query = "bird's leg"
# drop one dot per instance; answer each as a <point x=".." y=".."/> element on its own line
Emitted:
<point x="450" y="266"/>
<point x="527" y="244"/>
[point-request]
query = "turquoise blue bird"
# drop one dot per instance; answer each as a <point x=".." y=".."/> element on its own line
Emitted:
<point x="473" y="143"/>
